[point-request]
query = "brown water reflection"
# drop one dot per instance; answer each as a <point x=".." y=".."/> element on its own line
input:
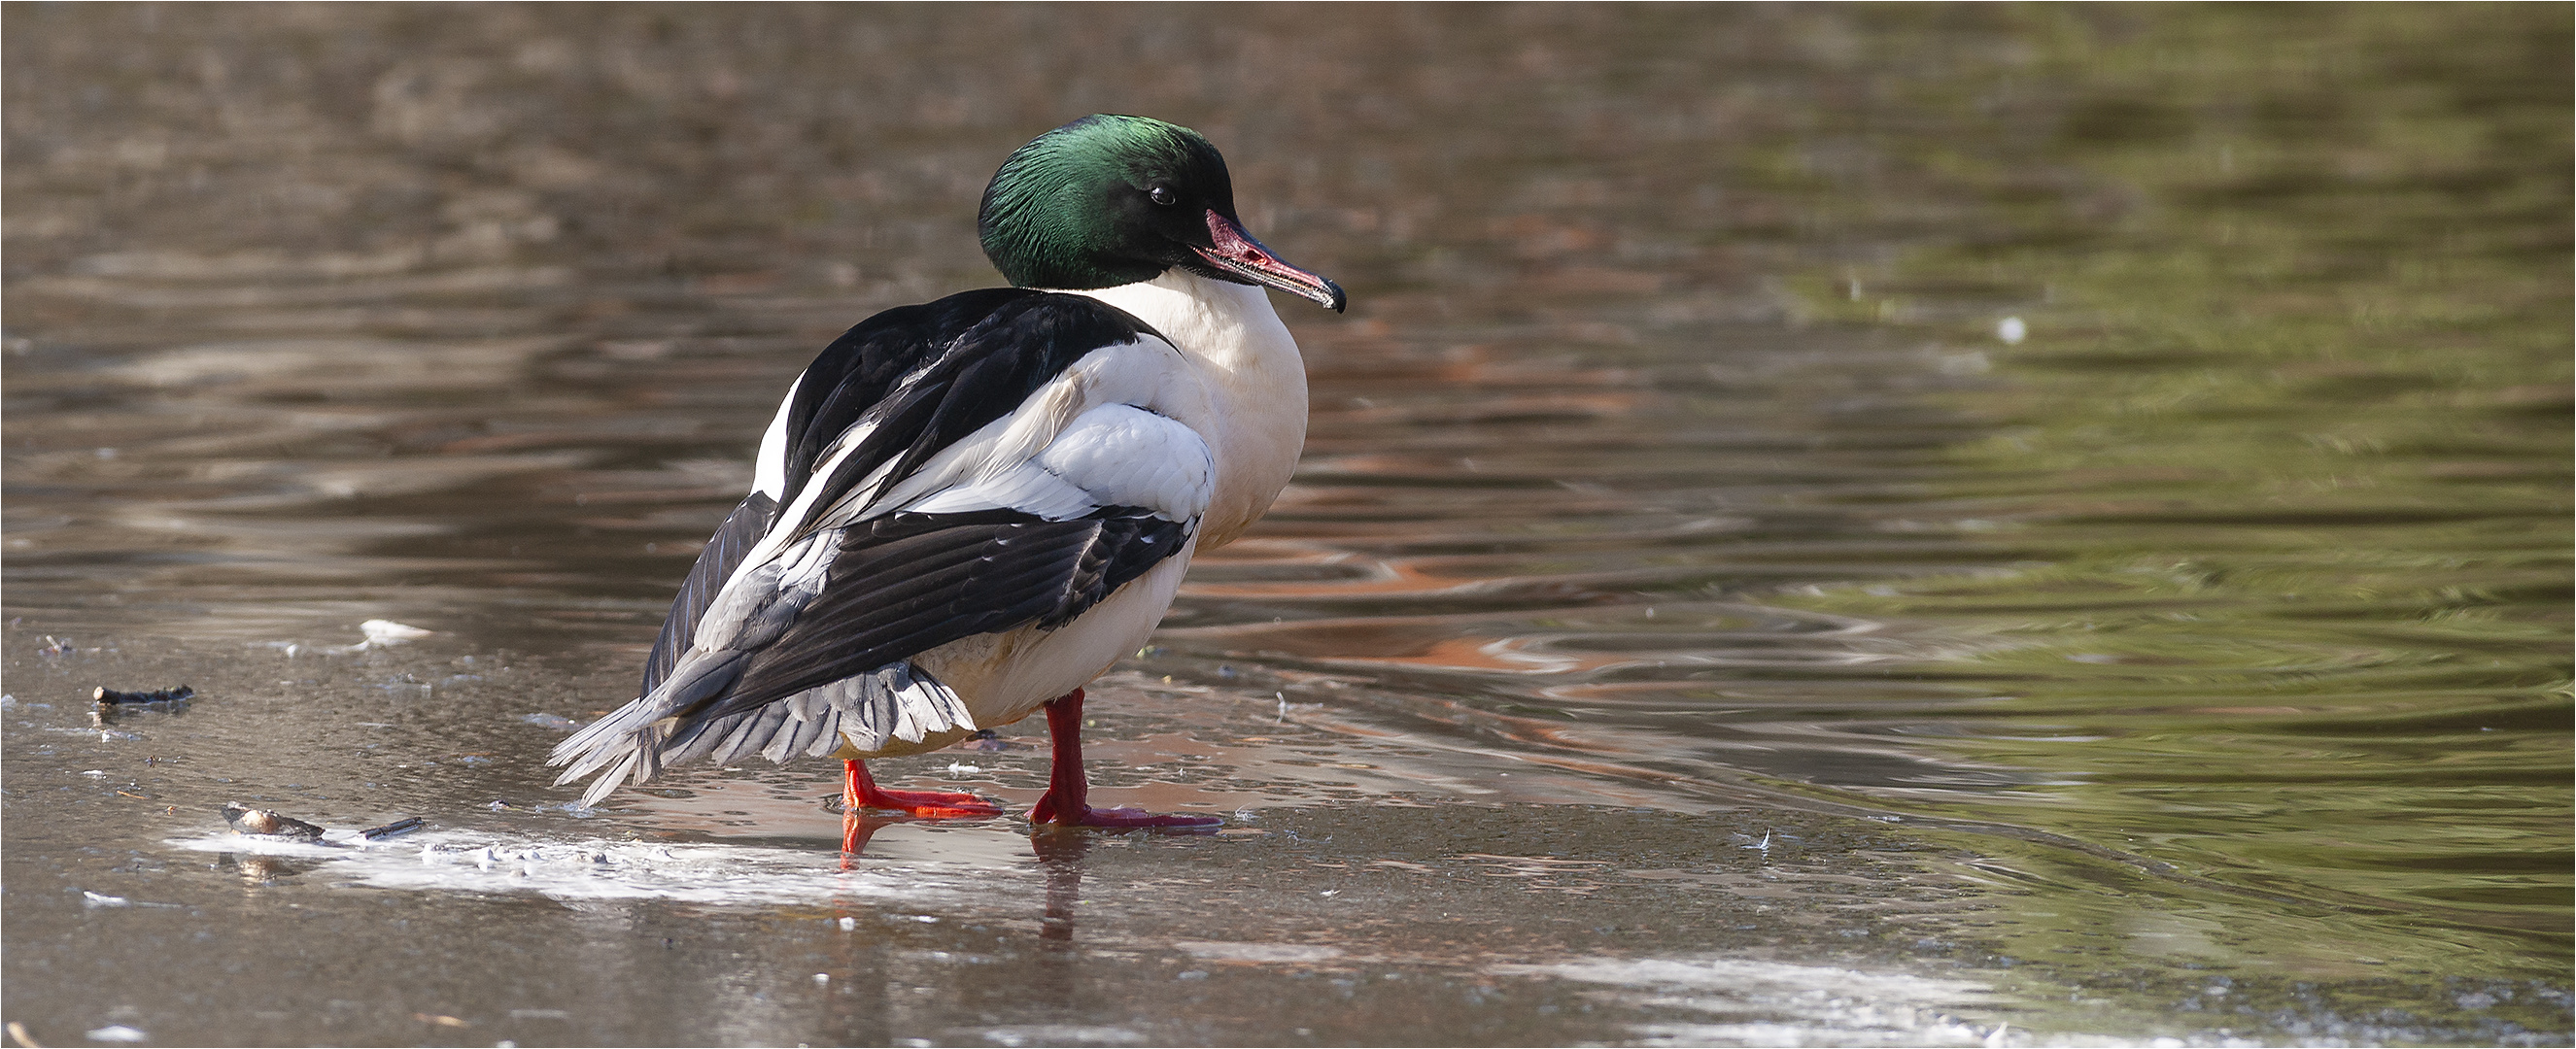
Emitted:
<point x="1694" y="620"/>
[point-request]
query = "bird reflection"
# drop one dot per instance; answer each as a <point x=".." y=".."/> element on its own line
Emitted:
<point x="1059" y="851"/>
<point x="257" y="870"/>
<point x="1060" y="856"/>
<point x="859" y="825"/>
<point x="1057" y="977"/>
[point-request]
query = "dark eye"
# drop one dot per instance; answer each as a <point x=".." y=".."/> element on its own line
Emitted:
<point x="1163" y="195"/>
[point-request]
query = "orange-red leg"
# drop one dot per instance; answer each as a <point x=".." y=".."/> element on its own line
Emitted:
<point x="860" y="791"/>
<point x="1068" y="790"/>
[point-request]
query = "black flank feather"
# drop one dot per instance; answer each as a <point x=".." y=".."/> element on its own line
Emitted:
<point x="909" y="583"/>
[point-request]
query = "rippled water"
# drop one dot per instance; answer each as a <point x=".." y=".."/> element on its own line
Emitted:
<point x="1887" y="521"/>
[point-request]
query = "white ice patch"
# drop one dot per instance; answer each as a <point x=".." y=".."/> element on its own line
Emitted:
<point x="388" y="632"/>
<point x="601" y="869"/>
<point x="1224" y="951"/>
<point x="1061" y="1034"/>
<point x="1770" y="1003"/>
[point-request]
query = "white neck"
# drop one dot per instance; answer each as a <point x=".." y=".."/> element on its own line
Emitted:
<point x="1256" y="382"/>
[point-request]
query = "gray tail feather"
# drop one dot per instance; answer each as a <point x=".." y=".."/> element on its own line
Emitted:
<point x="893" y="702"/>
<point x="607" y="782"/>
<point x="696" y="680"/>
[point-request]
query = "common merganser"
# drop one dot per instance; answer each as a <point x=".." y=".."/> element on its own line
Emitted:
<point x="966" y="510"/>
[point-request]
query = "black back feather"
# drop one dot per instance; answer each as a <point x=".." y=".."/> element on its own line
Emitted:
<point x="929" y="375"/>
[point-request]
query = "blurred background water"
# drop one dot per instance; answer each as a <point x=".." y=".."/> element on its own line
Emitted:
<point x="2125" y="448"/>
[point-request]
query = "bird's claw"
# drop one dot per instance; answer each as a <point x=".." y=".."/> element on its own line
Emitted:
<point x="928" y="804"/>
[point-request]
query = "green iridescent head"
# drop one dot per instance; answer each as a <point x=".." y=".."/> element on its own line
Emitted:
<point x="1110" y="200"/>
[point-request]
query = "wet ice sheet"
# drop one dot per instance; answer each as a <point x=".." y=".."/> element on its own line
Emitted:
<point x="1396" y="879"/>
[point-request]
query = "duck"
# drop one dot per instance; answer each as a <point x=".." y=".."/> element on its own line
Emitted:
<point x="966" y="510"/>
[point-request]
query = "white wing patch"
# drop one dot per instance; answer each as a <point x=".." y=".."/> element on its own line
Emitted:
<point x="769" y="470"/>
<point x="1144" y="374"/>
<point x="1112" y="455"/>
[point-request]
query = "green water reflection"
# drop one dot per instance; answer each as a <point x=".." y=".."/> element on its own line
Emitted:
<point x="2285" y="444"/>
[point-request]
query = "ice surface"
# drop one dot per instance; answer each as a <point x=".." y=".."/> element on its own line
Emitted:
<point x="602" y="869"/>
